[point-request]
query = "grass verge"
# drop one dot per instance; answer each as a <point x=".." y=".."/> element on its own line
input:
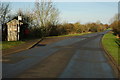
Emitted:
<point x="69" y="35"/>
<point x="10" y="44"/>
<point x="110" y="42"/>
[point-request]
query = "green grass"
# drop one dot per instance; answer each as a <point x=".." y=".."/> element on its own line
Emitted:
<point x="68" y="35"/>
<point x="10" y="44"/>
<point x="109" y="42"/>
<point x="109" y="29"/>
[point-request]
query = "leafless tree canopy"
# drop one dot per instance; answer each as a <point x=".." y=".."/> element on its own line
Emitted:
<point x="27" y="16"/>
<point x="46" y="13"/>
<point x="4" y="10"/>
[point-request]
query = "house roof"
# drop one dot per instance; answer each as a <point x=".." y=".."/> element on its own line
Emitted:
<point x="14" y="22"/>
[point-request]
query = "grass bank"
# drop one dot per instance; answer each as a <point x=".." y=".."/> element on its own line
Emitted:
<point x="10" y="44"/>
<point x="110" y="42"/>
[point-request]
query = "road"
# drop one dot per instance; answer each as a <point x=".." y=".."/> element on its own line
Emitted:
<point x="73" y="57"/>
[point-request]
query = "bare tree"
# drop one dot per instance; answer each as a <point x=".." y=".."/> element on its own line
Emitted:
<point x="27" y="16"/>
<point x="115" y="18"/>
<point x="4" y="10"/>
<point x="46" y="14"/>
<point x="4" y="17"/>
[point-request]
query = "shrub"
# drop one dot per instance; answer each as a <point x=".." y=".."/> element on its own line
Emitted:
<point x="116" y="27"/>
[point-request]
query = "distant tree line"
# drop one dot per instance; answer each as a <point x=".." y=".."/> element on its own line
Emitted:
<point x="73" y="28"/>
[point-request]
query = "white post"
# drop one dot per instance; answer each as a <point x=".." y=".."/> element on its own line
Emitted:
<point x="18" y="28"/>
<point x="19" y="18"/>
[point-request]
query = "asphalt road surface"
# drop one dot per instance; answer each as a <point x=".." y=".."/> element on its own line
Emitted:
<point x="73" y="57"/>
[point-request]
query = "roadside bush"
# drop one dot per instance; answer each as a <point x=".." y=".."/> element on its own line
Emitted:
<point x="78" y="28"/>
<point x="106" y="26"/>
<point x="35" y="32"/>
<point x="66" y="28"/>
<point x="93" y="27"/>
<point x="100" y="28"/>
<point x="116" y="27"/>
<point x="62" y="29"/>
<point x="53" y="30"/>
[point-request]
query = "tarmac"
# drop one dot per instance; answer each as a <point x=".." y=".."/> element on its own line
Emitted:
<point x="71" y="57"/>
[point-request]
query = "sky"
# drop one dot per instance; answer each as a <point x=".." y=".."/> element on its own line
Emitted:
<point x="63" y="0"/>
<point x="83" y="12"/>
<point x="88" y="11"/>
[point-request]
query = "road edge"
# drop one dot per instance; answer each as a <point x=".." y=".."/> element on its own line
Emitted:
<point x="21" y="49"/>
<point x="111" y="60"/>
<point x="36" y="43"/>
